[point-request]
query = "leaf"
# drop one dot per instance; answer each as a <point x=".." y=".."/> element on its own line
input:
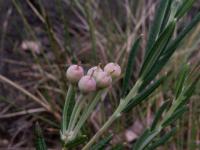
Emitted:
<point x="181" y="79"/>
<point x="129" y="68"/>
<point x="39" y="141"/>
<point x="159" y="114"/>
<point x="188" y="92"/>
<point x="162" y="140"/>
<point x="157" y="50"/>
<point x="157" y="24"/>
<point x="176" y="115"/>
<point x="174" y="44"/>
<point x="141" y="139"/>
<point x="143" y="94"/>
<point x="68" y="107"/>
<point x="183" y="8"/>
<point x="146" y="139"/>
<point x="167" y="16"/>
<point x="101" y="145"/>
<point x="170" y="50"/>
<point x="77" y="141"/>
<point x="118" y="147"/>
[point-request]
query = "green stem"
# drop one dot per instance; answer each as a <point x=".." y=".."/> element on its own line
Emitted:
<point x="115" y="115"/>
<point x="87" y="112"/>
<point x="76" y="111"/>
<point x="66" y="106"/>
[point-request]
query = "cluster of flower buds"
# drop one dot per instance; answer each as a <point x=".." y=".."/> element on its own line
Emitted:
<point x="96" y="78"/>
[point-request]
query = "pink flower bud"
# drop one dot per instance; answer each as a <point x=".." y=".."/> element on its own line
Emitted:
<point x="74" y="73"/>
<point x="94" y="71"/>
<point x="87" y="84"/>
<point x="113" y="69"/>
<point x="103" y="80"/>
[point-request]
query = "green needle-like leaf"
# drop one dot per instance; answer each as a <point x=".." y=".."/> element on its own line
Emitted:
<point x="157" y="49"/>
<point x="129" y="68"/>
<point x="101" y="145"/>
<point x="157" y="23"/>
<point x="176" y="115"/>
<point x="162" y="140"/>
<point x="183" y="8"/>
<point x="170" y="50"/>
<point x="39" y="141"/>
<point x="159" y="114"/>
<point x="146" y="139"/>
<point x="143" y="94"/>
<point x="181" y="79"/>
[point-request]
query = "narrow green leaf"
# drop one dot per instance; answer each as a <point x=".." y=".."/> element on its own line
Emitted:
<point x="141" y="139"/>
<point x="188" y="92"/>
<point x="156" y="51"/>
<point x="159" y="114"/>
<point x="174" y="44"/>
<point x="184" y="8"/>
<point x="68" y="107"/>
<point x="77" y="141"/>
<point x="39" y="140"/>
<point x="181" y="79"/>
<point x="176" y="115"/>
<point x="143" y="94"/>
<point x="102" y="144"/>
<point x="157" y="23"/>
<point x="146" y="140"/>
<point x="118" y="147"/>
<point x="170" y="49"/>
<point x="129" y="68"/>
<point x="167" y="16"/>
<point x="162" y="140"/>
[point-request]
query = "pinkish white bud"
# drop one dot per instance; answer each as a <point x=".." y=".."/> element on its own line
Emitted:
<point x="94" y="71"/>
<point x="113" y="69"/>
<point x="103" y="79"/>
<point x="74" y="73"/>
<point x="87" y="84"/>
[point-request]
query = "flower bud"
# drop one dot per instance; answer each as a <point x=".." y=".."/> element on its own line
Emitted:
<point x="103" y="79"/>
<point x="74" y="73"/>
<point x="113" y="69"/>
<point x="94" y="71"/>
<point x="87" y="84"/>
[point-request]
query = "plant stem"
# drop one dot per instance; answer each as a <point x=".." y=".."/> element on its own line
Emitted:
<point x="112" y="118"/>
<point x="87" y="112"/>
<point x="115" y="115"/>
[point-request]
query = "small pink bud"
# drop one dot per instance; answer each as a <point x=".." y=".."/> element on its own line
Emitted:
<point x="87" y="84"/>
<point x="74" y="73"/>
<point x="103" y="79"/>
<point x="113" y="69"/>
<point x="94" y="71"/>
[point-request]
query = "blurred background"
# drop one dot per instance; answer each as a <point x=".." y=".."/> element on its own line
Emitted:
<point x="39" y="39"/>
